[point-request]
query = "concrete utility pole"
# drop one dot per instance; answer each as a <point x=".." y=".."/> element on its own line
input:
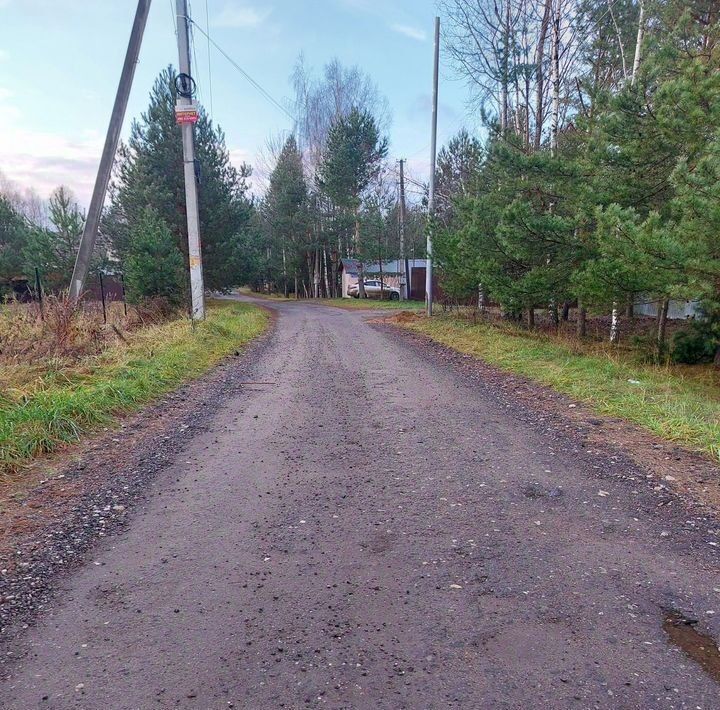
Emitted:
<point x="185" y="103"/>
<point x="92" y="222"/>
<point x="405" y="285"/>
<point x="431" y="197"/>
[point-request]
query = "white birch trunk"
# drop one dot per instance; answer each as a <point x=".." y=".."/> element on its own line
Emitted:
<point x="504" y="94"/>
<point x="639" y="42"/>
<point x="615" y="324"/>
<point x="539" y="75"/>
<point x="316" y="275"/>
<point x="325" y="271"/>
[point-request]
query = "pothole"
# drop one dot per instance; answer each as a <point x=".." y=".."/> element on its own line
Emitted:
<point x="699" y="646"/>
<point x="534" y="490"/>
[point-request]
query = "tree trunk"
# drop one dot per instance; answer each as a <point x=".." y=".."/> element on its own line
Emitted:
<point x="553" y="312"/>
<point x="531" y="318"/>
<point x="316" y="275"/>
<point x="555" y="120"/>
<point x="639" y="42"/>
<point x="481" y="298"/>
<point x="581" y="321"/>
<point x="334" y="269"/>
<point x="630" y="308"/>
<point x="662" y="321"/>
<point x="566" y="311"/>
<point x="356" y="239"/>
<point x="297" y="291"/>
<point x="285" y="278"/>
<point x="505" y="79"/>
<point x="540" y="75"/>
<point x="326" y="273"/>
<point x="615" y="325"/>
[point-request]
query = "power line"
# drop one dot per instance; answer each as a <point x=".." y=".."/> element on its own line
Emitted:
<point x="207" y="24"/>
<point x="247" y="76"/>
<point x="174" y="17"/>
<point x="194" y="55"/>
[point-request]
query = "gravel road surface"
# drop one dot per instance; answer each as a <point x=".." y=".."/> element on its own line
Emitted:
<point x="366" y="527"/>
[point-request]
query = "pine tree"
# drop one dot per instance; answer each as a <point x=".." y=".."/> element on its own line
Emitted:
<point x="353" y="156"/>
<point x="13" y="233"/>
<point x="285" y="210"/>
<point x="153" y="264"/>
<point x="53" y="250"/>
<point x="150" y="174"/>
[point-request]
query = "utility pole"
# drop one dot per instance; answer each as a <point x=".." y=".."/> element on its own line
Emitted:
<point x="92" y="222"/>
<point x="431" y="196"/>
<point x="187" y="116"/>
<point x="405" y="284"/>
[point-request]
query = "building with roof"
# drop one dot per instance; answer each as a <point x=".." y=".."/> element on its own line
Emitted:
<point x="391" y="273"/>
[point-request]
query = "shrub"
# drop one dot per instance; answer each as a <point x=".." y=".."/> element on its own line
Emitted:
<point x="697" y="344"/>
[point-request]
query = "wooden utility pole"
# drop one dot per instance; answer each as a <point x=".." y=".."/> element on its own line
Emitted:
<point x="92" y="222"/>
<point x="185" y="86"/>
<point x="405" y="282"/>
<point x="431" y="196"/>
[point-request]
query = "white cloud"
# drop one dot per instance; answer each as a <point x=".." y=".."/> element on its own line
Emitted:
<point x="42" y="160"/>
<point x="239" y="15"/>
<point x="409" y="31"/>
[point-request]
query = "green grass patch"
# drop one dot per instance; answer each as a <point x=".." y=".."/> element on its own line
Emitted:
<point x="680" y="404"/>
<point x="361" y="304"/>
<point x="370" y="304"/>
<point x="47" y="405"/>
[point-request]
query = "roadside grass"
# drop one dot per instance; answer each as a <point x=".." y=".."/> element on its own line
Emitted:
<point x="366" y="304"/>
<point x="46" y="405"/>
<point x="370" y="304"/>
<point x="678" y="403"/>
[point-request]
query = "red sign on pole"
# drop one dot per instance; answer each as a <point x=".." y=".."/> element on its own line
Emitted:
<point x="186" y="113"/>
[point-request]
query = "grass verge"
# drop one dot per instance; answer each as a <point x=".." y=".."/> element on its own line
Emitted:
<point x="47" y="405"/>
<point x="370" y="304"/>
<point x="365" y="304"/>
<point x="680" y="404"/>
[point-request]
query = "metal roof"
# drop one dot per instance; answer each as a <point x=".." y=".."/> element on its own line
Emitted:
<point x="394" y="266"/>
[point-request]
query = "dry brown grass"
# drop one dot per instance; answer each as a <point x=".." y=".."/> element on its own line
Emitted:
<point x="67" y="331"/>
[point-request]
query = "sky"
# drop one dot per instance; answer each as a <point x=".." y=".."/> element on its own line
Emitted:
<point x="60" y="61"/>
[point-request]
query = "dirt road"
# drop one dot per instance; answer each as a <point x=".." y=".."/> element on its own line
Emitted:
<point x="368" y="529"/>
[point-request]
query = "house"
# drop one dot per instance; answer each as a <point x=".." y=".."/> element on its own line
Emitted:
<point x="677" y="310"/>
<point x="391" y="272"/>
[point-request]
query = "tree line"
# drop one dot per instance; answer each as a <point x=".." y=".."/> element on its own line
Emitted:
<point x="332" y="188"/>
<point x="597" y="185"/>
<point x="331" y="193"/>
<point x="143" y="232"/>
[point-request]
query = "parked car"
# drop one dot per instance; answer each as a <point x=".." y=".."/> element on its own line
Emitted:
<point x="374" y="289"/>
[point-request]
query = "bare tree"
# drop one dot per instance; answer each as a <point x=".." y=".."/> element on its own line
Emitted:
<point x="500" y="47"/>
<point x="319" y="101"/>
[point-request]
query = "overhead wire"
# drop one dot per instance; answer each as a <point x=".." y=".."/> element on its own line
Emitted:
<point x="194" y="57"/>
<point x="207" y="24"/>
<point x="256" y="85"/>
<point x="174" y="17"/>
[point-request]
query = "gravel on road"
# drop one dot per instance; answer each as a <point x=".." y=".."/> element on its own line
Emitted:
<point x="358" y="522"/>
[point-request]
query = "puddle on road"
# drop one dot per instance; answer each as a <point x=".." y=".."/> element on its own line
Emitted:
<point x="700" y="647"/>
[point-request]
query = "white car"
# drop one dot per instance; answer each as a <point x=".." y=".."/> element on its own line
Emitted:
<point x="374" y="289"/>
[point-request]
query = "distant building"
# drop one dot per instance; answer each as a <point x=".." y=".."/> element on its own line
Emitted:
<point x="391" y="272"/>
<point x="677" y="310"/>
